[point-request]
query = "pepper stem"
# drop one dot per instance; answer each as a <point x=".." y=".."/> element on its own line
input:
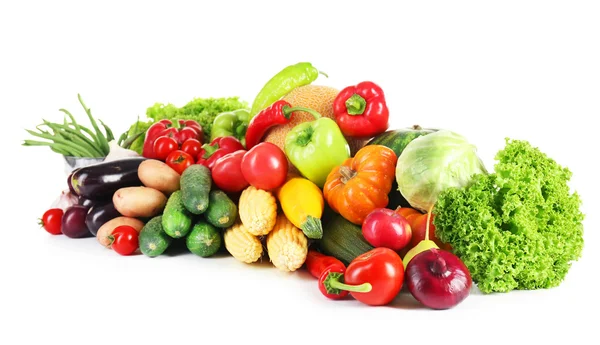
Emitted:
<point x="356" y="105"/>
<point x="209" y="150"/>
<point x="336" y="284"/>
<point x="287" y="111"/>
<point x="305" y="137"/>
<point x="240" y="130"/>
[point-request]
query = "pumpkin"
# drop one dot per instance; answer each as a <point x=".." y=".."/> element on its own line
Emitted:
<point x="362" y="183"/>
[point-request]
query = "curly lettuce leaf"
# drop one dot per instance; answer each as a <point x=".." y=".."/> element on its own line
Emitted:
<point x="518" y="228"/>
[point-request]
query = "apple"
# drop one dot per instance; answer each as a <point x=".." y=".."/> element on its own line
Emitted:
<point x="385" y="228"/>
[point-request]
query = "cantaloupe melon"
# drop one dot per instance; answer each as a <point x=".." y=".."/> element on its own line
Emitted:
<point x="317" y="97"/>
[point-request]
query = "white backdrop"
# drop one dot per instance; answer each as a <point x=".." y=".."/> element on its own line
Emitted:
<point x="519" y="69"/>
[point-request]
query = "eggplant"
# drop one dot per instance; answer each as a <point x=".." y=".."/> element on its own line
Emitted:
<point x="71" y="189"/>
<point x="85" y="202"/>
<point x="100" y="214"/>
<point x="73" y="222"/>
<point x="100" y="181"/>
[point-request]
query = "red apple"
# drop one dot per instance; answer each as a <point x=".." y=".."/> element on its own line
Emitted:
<point x="385" y="228"/>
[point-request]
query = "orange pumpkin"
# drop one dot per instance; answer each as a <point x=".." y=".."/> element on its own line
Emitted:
<point x="362" y="183"/>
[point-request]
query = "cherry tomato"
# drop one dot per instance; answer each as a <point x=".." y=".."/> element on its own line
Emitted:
<point x="227" y="172"/>
<point x="51" y="221"/>
<point x="265" y="166"/>
<point x="191" y="147"/>
<point x="163" y="146"/>
<point x="124" y="240"/>
<point x="179" y="161"/>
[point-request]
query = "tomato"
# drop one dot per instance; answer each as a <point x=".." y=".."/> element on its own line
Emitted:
<point x="163" y="146"/>
<point x="179" y="161"/>
<point x="124" y="240"/>
<point x="265" y="166"/>
<point x="227" y="172"/>
<point x="191" y="147"/>
<point x="51" y="221"/>
<point x="187" y="133"/>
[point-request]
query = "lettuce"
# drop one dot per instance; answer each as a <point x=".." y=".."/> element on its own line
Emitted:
<point x="517" y="228"/>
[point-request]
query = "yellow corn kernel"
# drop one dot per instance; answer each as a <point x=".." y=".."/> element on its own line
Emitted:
<point x="258" y="211"/>
<point x="241" y="244"/>
<point x="287" y="246"/>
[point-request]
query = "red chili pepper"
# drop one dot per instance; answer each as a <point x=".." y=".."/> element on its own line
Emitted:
<point x="361" y="110"/>
<point x="333" y="272"/>
<point x="317" y="262"/>
<point x="218" y="148"/>
<point x="373" y="278"/>
<point x="185" y="129"/>
<point x="278" y="113"/>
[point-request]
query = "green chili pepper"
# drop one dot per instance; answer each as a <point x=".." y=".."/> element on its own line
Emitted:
<point x="289" y="78"/>
<point x="231" y="123"/>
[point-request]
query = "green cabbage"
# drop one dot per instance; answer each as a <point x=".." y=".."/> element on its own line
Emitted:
<point x="517" y="228"/>
<point x="432" y="163"/>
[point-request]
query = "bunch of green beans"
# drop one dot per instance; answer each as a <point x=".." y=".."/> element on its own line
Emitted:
<point x="71" y="138"/>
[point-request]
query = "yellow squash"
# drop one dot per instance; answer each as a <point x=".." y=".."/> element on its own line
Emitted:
<point x="302" y="203"/>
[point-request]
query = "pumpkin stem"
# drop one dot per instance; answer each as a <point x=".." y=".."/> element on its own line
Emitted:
<point x="347" y="174"/>
<point x="417" y="127"/>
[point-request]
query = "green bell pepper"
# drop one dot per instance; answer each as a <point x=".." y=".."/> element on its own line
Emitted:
<point x="231" y="123"/>
<point x="316" y="147"/>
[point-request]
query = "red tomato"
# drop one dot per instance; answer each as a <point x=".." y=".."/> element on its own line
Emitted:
<point x="380" y="267"/>
<point x="163" y="146"/>
<point x="227" y="172"/>
<point x="187" y="133"/>
<point x="124" y="240"/>
<point x="265" y="166"/>
<point x="191" y="147"/>
<point x="179" y="161"/>
<point x="51" y="221"/>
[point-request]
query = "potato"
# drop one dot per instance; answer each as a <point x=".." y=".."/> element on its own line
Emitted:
<point x="139" y="201"/>
<point x="107" y="228"/>
<point x="158" y="175"/>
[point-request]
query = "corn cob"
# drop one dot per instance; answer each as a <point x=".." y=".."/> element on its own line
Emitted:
<point x="287" y="246"/>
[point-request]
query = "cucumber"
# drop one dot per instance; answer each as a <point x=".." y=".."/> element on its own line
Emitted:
<point x="221" y="211"/>
<point x="153" y="239"/>
<point x="343" y="239"/>
<point x="195" y="187"/>
<point x="204" y="240"/>
<point x="176" y="220"/>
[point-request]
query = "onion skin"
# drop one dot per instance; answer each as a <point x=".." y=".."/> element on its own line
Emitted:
<point x="438" y="279"/>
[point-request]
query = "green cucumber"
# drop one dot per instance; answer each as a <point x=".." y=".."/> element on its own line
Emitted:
<point x="204" y="240"/>
<point x="153" y="239"/>
<point x="221" y="212"/>
<point x="195" y="187"/>
<point x="176" y="220"/>
<point x="343" y="239"/>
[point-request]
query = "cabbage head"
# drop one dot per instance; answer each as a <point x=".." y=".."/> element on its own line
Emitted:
<point x="432" y="163"/>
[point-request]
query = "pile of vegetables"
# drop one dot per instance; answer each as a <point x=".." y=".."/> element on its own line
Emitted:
<point x="412" y="207"/>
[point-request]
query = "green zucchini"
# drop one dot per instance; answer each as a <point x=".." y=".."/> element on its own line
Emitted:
<point x="343" y="239"/>
<point x="153" y="239"/>
<point x="195" y="187"/>
<point x="204" y="240"/>
<point x="176" y="220"/>
<point x="221" y="212"/>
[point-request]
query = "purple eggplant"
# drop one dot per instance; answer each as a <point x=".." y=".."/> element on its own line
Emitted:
<point x="100" y="214"/>
<point x="71" y="189"/>
<point x="85" y="202"/>
<point x="100" y="181"/>
<point x="73" y="222"/>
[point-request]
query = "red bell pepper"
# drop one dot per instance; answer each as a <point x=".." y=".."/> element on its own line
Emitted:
<point x="218" y="148"/>
<point x="374" y="278"/>
<point x="181" y="131"/>
<point x="279" y="113"/>
<point x="361" y="110"/>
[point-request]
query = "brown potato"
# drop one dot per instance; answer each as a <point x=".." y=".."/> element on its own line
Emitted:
<point x="107" y="228"/>
<point x="139" y="201"/>
<point x="158" y="175"/>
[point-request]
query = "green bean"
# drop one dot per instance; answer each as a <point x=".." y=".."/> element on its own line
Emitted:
<point x="101" y="138"/>
<point x="109" y="133"/>
<point x="59" y="140"/>
<point x="78" y="138"/>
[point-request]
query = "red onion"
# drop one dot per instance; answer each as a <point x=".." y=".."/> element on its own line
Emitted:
<point x="438" y="279"/>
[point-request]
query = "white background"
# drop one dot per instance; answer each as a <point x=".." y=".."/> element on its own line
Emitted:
<point x="519" y="69"/>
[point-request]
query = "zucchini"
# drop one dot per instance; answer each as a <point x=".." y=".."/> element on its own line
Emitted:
<point x="195" y="186"/>
<point x="176" y="220"/>
<point x="221" y="212"/>
<point x="153" y="239"/>
<point x="343" y="240"/>
<point x="204" y="240"/>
